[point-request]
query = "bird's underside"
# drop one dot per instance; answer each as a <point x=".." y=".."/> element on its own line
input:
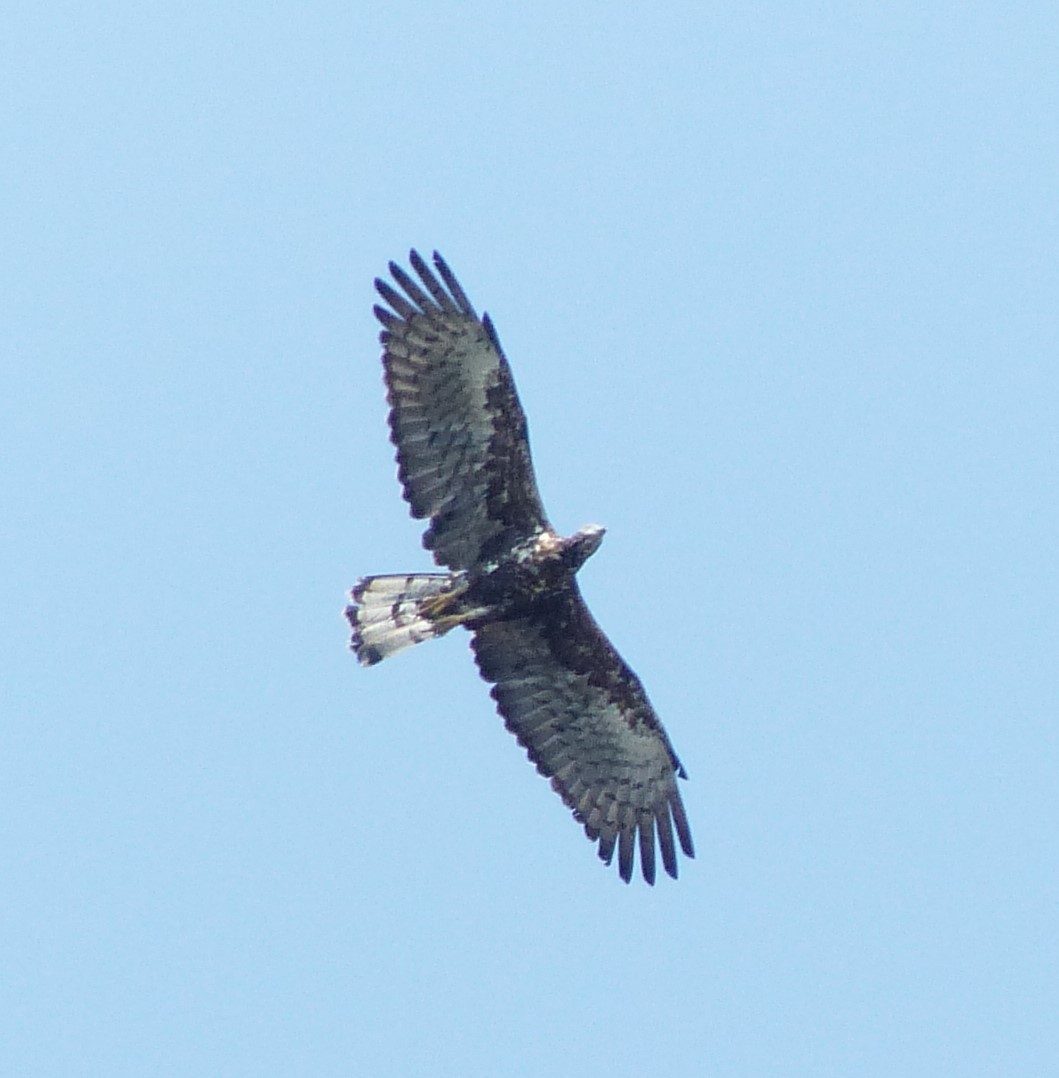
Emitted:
<point x="464" y="464"/>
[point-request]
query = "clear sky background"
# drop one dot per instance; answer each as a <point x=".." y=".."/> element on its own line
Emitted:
<point x="779" y="286"/>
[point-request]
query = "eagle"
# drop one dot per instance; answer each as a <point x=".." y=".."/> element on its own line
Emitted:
<point x="464" y="463"/>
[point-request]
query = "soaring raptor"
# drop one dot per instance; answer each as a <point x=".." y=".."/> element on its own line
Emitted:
<point x="464" y="462"/>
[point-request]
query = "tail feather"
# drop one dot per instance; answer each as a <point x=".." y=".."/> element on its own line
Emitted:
<point x="391" y="613"/>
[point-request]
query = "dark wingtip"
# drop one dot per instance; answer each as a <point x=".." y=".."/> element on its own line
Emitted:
<point x="454" y="287"/>
<point x="607" y="842"/>
<point x="647" y="849"/>
<point x="490" y="329"/>
<point x="625" y="853"/>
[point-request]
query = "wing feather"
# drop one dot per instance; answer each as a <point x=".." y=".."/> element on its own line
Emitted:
<point x="411" y="289"/>
<point x="452" y="285"/>
<point x="608" y="836"/>
<point x="394" y="298"/>
<point x="462" y="445"/>
<point x="440" y="296"/>
<point x="665" y="841"/>
<point x="647" y="846"/>
<point x="585" y="721"/>
<point x="625" y="851"/>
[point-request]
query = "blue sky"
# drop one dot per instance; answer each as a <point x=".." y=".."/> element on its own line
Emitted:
<point x="778" y="283"/>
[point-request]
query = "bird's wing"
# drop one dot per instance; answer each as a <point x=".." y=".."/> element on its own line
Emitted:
<point x="462" y="448"/>
<point x="586" y="722"/>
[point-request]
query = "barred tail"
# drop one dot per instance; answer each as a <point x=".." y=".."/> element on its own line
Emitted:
<point x="391" y="613"/>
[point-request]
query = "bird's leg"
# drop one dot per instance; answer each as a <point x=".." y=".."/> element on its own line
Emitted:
<point x="446" y="611"/>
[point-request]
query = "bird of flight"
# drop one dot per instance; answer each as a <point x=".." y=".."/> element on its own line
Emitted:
<point x="464" y="462"/>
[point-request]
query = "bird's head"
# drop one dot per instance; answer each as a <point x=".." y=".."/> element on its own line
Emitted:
<point x="582" y="545"/>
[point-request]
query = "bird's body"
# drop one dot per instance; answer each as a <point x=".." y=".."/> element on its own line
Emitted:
<point x="464" y="461"/>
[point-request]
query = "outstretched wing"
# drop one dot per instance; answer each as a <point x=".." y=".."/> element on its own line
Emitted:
<point x="586" y="722"/>
<point x="462" y="449"/>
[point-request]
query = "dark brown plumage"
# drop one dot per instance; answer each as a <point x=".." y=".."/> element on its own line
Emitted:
<point x="464" y="463"/>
